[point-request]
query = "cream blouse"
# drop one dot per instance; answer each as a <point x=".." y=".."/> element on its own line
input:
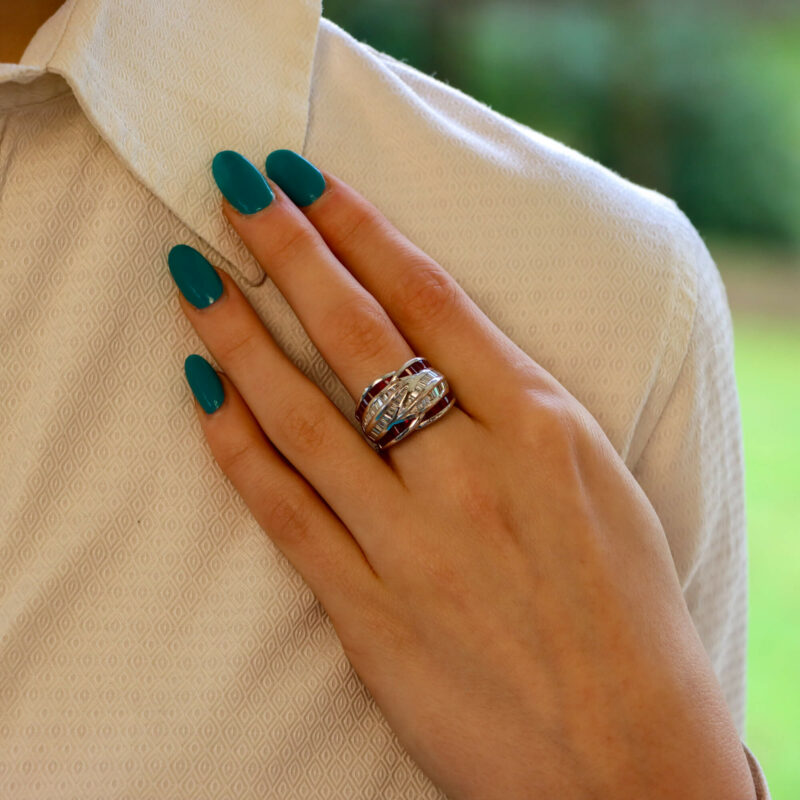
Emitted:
<point x="154" y="643"/>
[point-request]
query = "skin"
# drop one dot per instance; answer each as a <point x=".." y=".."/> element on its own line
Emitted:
<point x="498" y="580"/>
<point x="19" y="21"/>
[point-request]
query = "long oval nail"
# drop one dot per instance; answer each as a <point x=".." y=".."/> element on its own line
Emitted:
<point x="296" y="175"/>
<point x="205" y="383"/>
<point x="244" y="187"/>
<point x="196" y="278"/>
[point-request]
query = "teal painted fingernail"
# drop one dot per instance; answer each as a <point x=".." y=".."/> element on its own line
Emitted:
<point x="299" y="178"/>
<point x="196" y="278"/>
<point x="244" y="187"/>
<point x="205" y="382"/>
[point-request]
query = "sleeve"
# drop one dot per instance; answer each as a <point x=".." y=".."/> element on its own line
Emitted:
<point x="759" y="779"/>
<point x="692" y="470"/>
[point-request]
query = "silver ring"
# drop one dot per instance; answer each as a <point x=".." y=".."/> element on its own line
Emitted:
<point x="398" y="403"/>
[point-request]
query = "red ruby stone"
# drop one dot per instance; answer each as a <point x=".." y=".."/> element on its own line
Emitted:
<point x="412" y="369"/>
<point x="362" y="406"/>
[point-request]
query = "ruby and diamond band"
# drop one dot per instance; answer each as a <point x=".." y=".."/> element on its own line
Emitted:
<point x="400" y="402"/>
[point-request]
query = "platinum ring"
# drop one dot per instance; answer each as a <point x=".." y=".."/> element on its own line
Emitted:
<point x="400" y="402"/>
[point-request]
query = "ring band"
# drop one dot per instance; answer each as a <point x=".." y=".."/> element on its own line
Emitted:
<point x="400" y="402"/>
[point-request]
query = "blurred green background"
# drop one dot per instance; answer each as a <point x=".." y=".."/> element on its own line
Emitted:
<point x="700" y="101"/>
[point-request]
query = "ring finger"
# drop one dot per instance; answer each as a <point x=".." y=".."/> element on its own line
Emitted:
<point x="294" y="413"/>
<point x="348" y="326"/>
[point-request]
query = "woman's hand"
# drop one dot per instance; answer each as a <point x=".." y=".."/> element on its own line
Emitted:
<point x="498" y="580"/>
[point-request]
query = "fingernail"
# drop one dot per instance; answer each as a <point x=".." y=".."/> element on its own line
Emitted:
<point x="299" y="178"/>
<point x="196" y="278"/>
<point x="244" y="187"/>
<point x="205" y="383"/>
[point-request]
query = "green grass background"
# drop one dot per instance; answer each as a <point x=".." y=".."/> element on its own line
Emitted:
<point x="767" y="358"/>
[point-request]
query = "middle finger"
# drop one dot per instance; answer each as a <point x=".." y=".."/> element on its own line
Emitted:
<point x="348" y="326"/>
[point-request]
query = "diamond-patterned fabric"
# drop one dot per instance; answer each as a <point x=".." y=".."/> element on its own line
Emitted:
<point x="154" y="643"/>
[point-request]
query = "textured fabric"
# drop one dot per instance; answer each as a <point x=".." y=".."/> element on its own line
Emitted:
<point x="154" y="643"/>
<point x="759" y="778"/>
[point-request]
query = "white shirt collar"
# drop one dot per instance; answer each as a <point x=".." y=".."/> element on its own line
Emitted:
<point x="168" y="84"/>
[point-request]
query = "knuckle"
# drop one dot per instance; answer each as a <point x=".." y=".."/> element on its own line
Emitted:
<point x="440" y="576"/>
<point x="349" y="224"/>
<point x="233" y="455"/>
<point x="441" y="572"/>
<point x="237" y="348"/>
<point x="287" y="517"/>
<point x="305" y="427"/>
<point x="552" y="426"/>
<point x="360" y="329"/>
<point x="428" y="295"/>
<point x="479" y="500"/>
<point x="292" y="242"/>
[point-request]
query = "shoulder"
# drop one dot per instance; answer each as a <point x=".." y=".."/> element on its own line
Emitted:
<point x="588" y="200"/>
<point x="594" y="276"/>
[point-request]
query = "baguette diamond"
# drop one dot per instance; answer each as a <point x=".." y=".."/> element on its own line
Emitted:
<point x="397" y="403"/>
